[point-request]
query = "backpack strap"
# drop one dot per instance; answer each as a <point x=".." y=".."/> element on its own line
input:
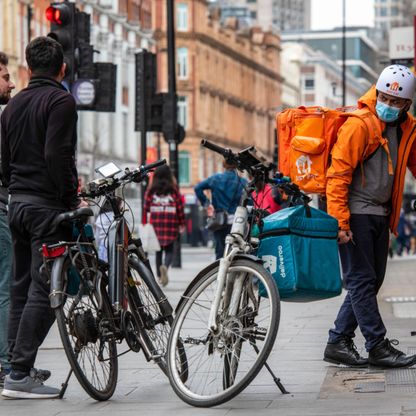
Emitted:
<point x="375" y="133"/>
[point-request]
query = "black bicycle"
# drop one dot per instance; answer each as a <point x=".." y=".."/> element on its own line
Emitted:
<point x="99" y="304"/>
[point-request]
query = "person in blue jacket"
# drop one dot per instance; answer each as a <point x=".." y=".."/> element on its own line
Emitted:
<point x="226" y="189"/>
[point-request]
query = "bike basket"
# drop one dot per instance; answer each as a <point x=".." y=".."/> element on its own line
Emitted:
<point x="301" y="253"/>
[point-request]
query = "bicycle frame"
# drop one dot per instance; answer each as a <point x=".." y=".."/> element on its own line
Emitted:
<point x="235" y="243"/>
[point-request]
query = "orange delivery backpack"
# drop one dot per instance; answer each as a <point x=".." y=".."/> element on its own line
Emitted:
<point x="306" y="136"/>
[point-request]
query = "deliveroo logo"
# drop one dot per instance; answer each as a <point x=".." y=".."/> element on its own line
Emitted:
<point x="270" y="263"/>
<point x="281" y="261"/>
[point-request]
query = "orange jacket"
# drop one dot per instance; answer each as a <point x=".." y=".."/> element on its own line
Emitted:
<point x="352" y="147"/>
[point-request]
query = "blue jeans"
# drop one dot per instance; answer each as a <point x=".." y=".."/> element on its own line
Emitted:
<point x="5" y="278"/>
<point x="364" y="267"/>
<point x="219" y="238"/>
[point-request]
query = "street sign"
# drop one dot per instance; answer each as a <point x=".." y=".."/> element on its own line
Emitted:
<point x="83" y="91"/>
<point x="402" y="44"/>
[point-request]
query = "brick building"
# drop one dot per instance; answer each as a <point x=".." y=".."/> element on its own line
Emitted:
<point x="228" y="84"/>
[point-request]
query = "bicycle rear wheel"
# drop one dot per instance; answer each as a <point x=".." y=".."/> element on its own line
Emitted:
<point x="147" y="305"/>
<point x="85" y="325"/>
<point x="222" y="364"/>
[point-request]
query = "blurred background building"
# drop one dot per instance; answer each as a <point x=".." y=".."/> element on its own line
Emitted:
<point x="279" y="15"/>
<point x="228" y="82"/>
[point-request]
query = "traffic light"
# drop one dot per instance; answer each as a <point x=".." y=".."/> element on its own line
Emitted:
<point x="146" y="92"/>
<point x="63" y="30"/>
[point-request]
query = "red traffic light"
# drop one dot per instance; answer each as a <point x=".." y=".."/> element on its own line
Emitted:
<point x="58" y="14"/>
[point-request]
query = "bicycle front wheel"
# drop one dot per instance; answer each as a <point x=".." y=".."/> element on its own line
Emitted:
<point x="86" y="327"/>
<point x="223" y="363"/>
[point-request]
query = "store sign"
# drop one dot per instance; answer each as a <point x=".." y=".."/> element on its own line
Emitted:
<point x="402" y="44"/>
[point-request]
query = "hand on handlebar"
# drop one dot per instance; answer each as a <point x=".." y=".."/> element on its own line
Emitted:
<point x="83" y="204"/>
<point x="210" y="210"/>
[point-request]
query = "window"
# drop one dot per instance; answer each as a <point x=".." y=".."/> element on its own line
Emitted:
<point x="253" y="15"/>
<point x="394" y="11"/>
<point x="183" y="111"/>
<point x="383" y="11"/>
<point x="182" y="17"/>
<point x="184" y="168"/>
<point x="309" y="83"/>
<point x="182" y="63"/>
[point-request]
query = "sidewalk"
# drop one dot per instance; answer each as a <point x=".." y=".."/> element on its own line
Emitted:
<point x="316" y="388"/>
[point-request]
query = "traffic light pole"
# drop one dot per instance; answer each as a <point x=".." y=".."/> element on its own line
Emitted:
<point x="173" y="145"/>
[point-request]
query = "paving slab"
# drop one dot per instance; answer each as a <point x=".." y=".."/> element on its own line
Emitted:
<point x="296" y="358"/>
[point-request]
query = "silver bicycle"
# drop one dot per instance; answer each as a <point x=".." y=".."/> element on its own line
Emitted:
<point x="228" y="317"/>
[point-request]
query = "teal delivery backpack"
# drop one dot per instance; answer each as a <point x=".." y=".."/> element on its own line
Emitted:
<point x="299" y="247"/>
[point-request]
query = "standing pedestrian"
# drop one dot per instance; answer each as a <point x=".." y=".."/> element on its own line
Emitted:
<point x="38" y="142"/>
<point x="365" y="195"/>
<point x="226" y="189"/>
<point x="6" y="87"/>
<point x="164" y="209"/>
<point x="265" y="197"/>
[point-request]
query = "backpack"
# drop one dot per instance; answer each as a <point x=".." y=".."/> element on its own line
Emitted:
<point x="306" y="136"/>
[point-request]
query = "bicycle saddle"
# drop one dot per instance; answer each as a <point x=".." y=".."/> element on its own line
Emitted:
<point x="73" y="215"/>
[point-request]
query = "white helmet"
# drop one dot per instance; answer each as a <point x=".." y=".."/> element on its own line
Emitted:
<point x="397" y="80"/>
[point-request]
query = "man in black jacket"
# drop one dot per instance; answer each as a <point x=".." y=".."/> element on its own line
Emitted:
<point x="6" y="87"/>
<point x="38" y="142"/>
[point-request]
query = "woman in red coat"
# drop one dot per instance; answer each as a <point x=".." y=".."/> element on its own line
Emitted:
<point x="164" y="209"/>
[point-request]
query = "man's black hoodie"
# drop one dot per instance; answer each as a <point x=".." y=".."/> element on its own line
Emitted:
<point x="38" y="144"/>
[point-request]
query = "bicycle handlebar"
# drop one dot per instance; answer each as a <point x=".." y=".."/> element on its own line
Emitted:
<point x="101" y="187"/>
<point x="153" y="165"/>
<point x="215" y="148"/>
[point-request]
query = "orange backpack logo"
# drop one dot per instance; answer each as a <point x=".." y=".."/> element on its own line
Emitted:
<point x="305" y="138"/>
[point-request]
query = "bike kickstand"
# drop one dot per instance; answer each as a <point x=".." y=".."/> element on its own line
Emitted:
<point x="275" y="379"/>
<point x="65" y="385"/>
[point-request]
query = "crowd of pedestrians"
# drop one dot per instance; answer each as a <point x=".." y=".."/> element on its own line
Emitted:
<point x="38" y="181"/>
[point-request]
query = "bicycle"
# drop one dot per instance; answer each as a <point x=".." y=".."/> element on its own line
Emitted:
<point x="99" y="304"/>
<point x="228" y="317"/>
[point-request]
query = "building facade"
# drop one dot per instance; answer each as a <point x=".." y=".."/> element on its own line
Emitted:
<point x="362" y="54"/>
<point x="280" y="15"/>
<point x="316" y="78"/>
<point x="119" y="29"/>
<point x="389" y="14"/>
<point x="228" y="84"/>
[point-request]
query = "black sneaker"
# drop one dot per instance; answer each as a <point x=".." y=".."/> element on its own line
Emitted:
<point x="344" y="352"/>
<point x="28" y="388"/>
<point x="3" y="374"/>
<point x="386" y="356"/>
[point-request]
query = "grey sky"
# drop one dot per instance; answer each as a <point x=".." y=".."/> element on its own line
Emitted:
<point x="327" y="14"/>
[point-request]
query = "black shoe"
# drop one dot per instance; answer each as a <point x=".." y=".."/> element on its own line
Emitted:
<point x="344" y="352"/>
<point x="385" y="355"/>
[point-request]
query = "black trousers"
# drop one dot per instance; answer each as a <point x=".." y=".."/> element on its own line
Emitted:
<point x="30" y="316"/>
<point x="364" y="266"/>
<point x="168" y="250"/>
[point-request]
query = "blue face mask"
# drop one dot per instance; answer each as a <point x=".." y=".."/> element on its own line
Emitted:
<point x="387" y="113"/>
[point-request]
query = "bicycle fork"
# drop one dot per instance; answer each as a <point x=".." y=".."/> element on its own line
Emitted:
<point x="225" y="263"/>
